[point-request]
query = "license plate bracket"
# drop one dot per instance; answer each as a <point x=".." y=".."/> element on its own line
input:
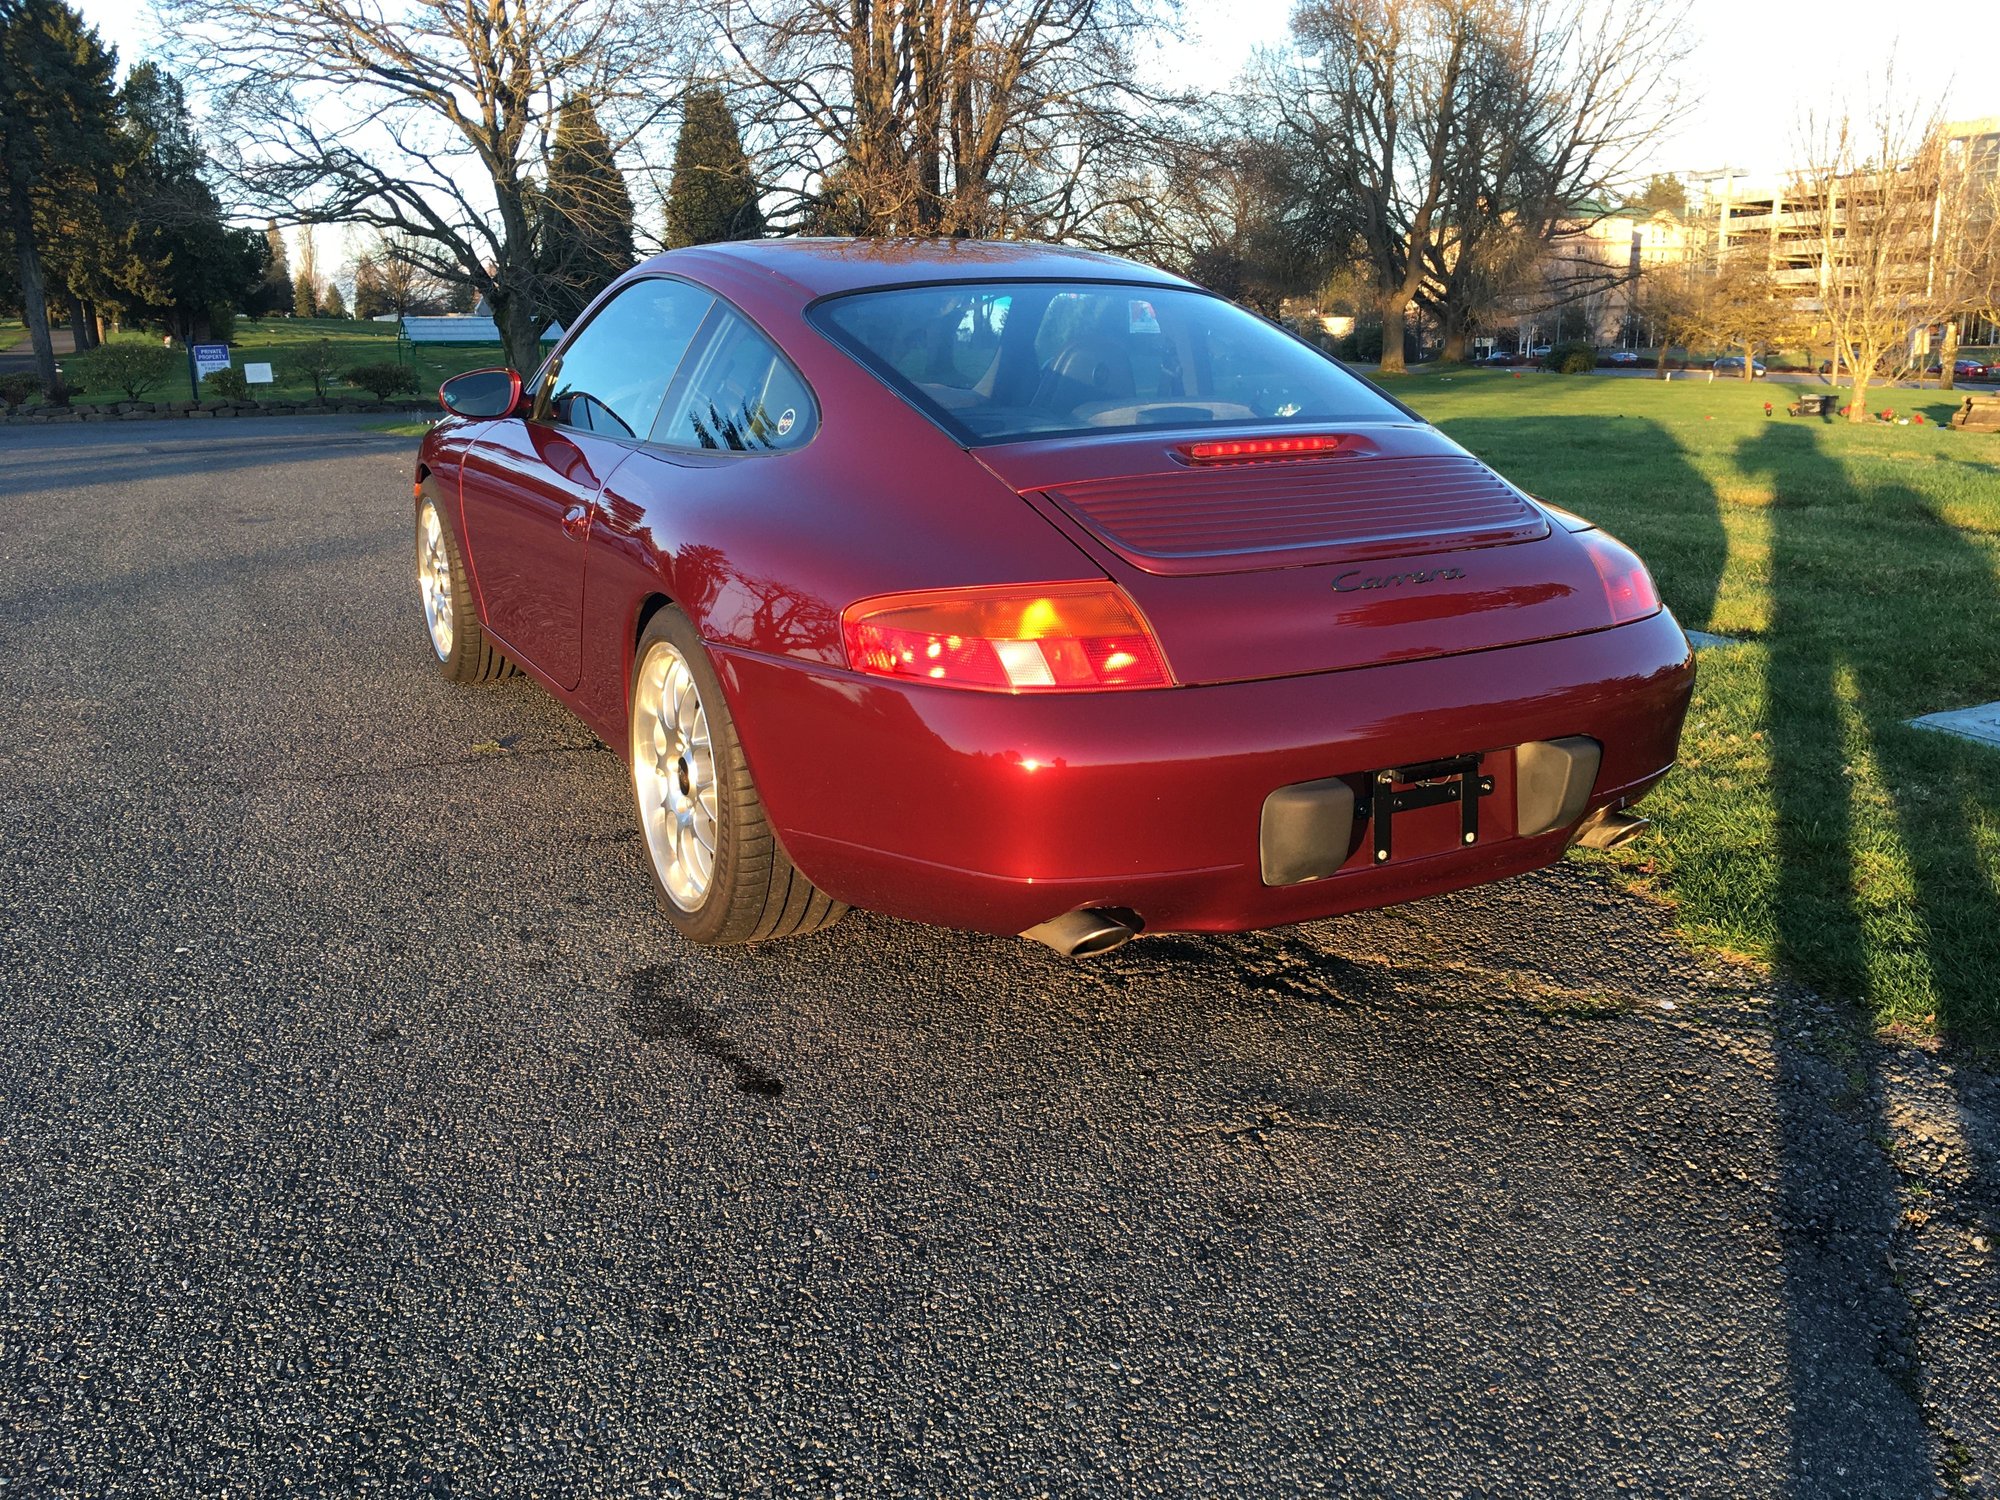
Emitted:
<point x="1455" y="778"/>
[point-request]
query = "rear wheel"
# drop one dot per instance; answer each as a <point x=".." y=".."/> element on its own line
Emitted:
<point x="463" y="652"/>
<point x="717" y="869"/>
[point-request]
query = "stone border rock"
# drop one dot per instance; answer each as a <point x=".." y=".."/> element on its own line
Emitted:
<point x="138" y="411"/>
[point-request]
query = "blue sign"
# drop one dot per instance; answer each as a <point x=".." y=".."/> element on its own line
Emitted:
<point x="208" y="358"/>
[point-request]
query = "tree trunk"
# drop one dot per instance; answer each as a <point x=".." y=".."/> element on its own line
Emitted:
<point x="79" y="323"/>
<point x="1395" y="311"/>
<point x="1749" y="363"/>
<point x="1455" y="336"/>
<point x="514" y="315"/>
<point x="1857" y="407"/>
<point x="1660" y="361"/>
<point x="1947" y="356"/>
<point x="35" y="309"/>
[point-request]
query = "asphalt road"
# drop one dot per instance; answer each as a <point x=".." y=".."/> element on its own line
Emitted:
<point x="363" y="1131"/>
<point x="19" y="357"/>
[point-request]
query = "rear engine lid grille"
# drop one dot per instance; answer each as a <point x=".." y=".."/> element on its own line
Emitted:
<point x="1267" y="515"/>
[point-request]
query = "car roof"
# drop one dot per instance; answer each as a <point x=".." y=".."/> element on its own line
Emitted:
<point x="821" y="267"/>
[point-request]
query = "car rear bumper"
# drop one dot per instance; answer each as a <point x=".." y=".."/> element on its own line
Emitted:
<point x="996" y="812"/>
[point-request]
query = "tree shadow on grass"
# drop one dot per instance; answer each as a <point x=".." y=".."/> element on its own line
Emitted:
<point x="1673" y="523"/>
<point x="1843" y="673"/>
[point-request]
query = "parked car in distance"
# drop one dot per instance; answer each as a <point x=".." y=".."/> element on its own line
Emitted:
<point x="1499" y="361"/>
<point x="1541" y="351"/>
<point x="1029" y="590"/>
<point x="1963" y="368"/>
<point x="1732" y="364"/>
<point x="1621" y="357"/>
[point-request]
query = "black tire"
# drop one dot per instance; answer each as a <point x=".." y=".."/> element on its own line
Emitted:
<point x="753" y="892"/>
<point x="470" y="655"/>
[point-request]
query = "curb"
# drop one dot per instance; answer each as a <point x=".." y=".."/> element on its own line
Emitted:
<point x="130" y="411"/>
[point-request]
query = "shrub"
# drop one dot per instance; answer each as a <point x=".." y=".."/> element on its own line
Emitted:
<point x="384" y="380"/>
<point x="316" y="364"/>
<point x="129" y="366"/>
<point x="14" y="389"/>
<point x="1361" y="344"/>
<point x="1575" y="358"/>
<point x="221" y="325"/>
<point x="228" y="384"/>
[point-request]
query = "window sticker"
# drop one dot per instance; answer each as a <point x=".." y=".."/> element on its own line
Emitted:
<point x="786" y="420"/>
<point x="1140" y="317"/>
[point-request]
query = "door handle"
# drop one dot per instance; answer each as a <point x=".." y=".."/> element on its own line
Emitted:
<point x="576" y="521"/>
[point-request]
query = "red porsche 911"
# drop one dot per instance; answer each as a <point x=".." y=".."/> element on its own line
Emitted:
<point x="1027" y="590"/>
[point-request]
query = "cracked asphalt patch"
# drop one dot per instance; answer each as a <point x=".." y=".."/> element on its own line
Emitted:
<point x="363" y="1130"/>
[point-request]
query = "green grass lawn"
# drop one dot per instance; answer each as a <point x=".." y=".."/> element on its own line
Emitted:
<point x="278" y="341"/>
<point x="415" y="426"/>
<point x="1808" y="825"/>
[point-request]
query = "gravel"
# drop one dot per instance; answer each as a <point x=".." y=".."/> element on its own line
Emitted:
<point x="364" y="1131"/>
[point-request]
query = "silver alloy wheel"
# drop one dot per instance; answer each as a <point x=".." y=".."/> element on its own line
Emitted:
<point x="673" y="768"/>
<point x="434" y="579"/>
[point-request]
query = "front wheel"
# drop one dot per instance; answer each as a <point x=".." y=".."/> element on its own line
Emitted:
<point x="462" y="650"/>
<point x="718" y="871"/>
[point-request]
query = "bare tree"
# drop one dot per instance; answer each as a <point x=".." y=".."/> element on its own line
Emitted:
<point x="1673" y="302"/>
<point x="1425" y="128"/>
<point x="400" y="273"/>
<point x="1905" y="233"/>
<point x="1742" y="306"/>
<point x="1736" y="303"/>
<point x="952" y="117"/>
<point x="431" y="119"/>
<point x="1205" y="200"/>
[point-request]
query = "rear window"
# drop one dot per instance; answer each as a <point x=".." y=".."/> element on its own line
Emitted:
<point x="993" y="363"/>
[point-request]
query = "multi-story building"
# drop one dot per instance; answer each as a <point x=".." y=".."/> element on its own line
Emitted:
<point x="1735" y="213"/>
<point x="1587" y="283"/>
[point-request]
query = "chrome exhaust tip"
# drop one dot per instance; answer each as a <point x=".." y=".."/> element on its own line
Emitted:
<point x="1087" y="932"/>
<point x="1609" y="830"/>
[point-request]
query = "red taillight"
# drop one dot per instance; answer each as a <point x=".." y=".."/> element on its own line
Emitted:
<point x="1244" y="450"/>
<point x="1039" y="638"/>
<point x="1628" y="587"/>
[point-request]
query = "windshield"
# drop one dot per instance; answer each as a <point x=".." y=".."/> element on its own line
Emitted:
<point x="997" y="362"/>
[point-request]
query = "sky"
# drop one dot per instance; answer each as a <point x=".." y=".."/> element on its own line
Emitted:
<point x="1755" y="67"/>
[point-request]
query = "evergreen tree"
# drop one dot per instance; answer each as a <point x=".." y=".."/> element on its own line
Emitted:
<point x="333" y="305"/>
<point x="712" y="195"/>
<point x="182" y="267"/>
<point x="274" y="289"/>
<point x="584" y="231"/>
<point x="305" y="285"/>
<point x="371" y="294"/>
<point x="56" y="140"/>
<point x="1663" y="194"/>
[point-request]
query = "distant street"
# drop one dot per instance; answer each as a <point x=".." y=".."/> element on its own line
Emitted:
<point x="20" y="355"/>
<point x="364" y="1130"/>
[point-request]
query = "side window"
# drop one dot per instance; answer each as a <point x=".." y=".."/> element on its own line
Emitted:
<point x="615" y="373"/>
<point x="742" y="396"/>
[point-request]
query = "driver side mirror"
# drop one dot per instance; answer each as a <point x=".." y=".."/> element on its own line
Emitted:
<point x="481" y="393"/>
